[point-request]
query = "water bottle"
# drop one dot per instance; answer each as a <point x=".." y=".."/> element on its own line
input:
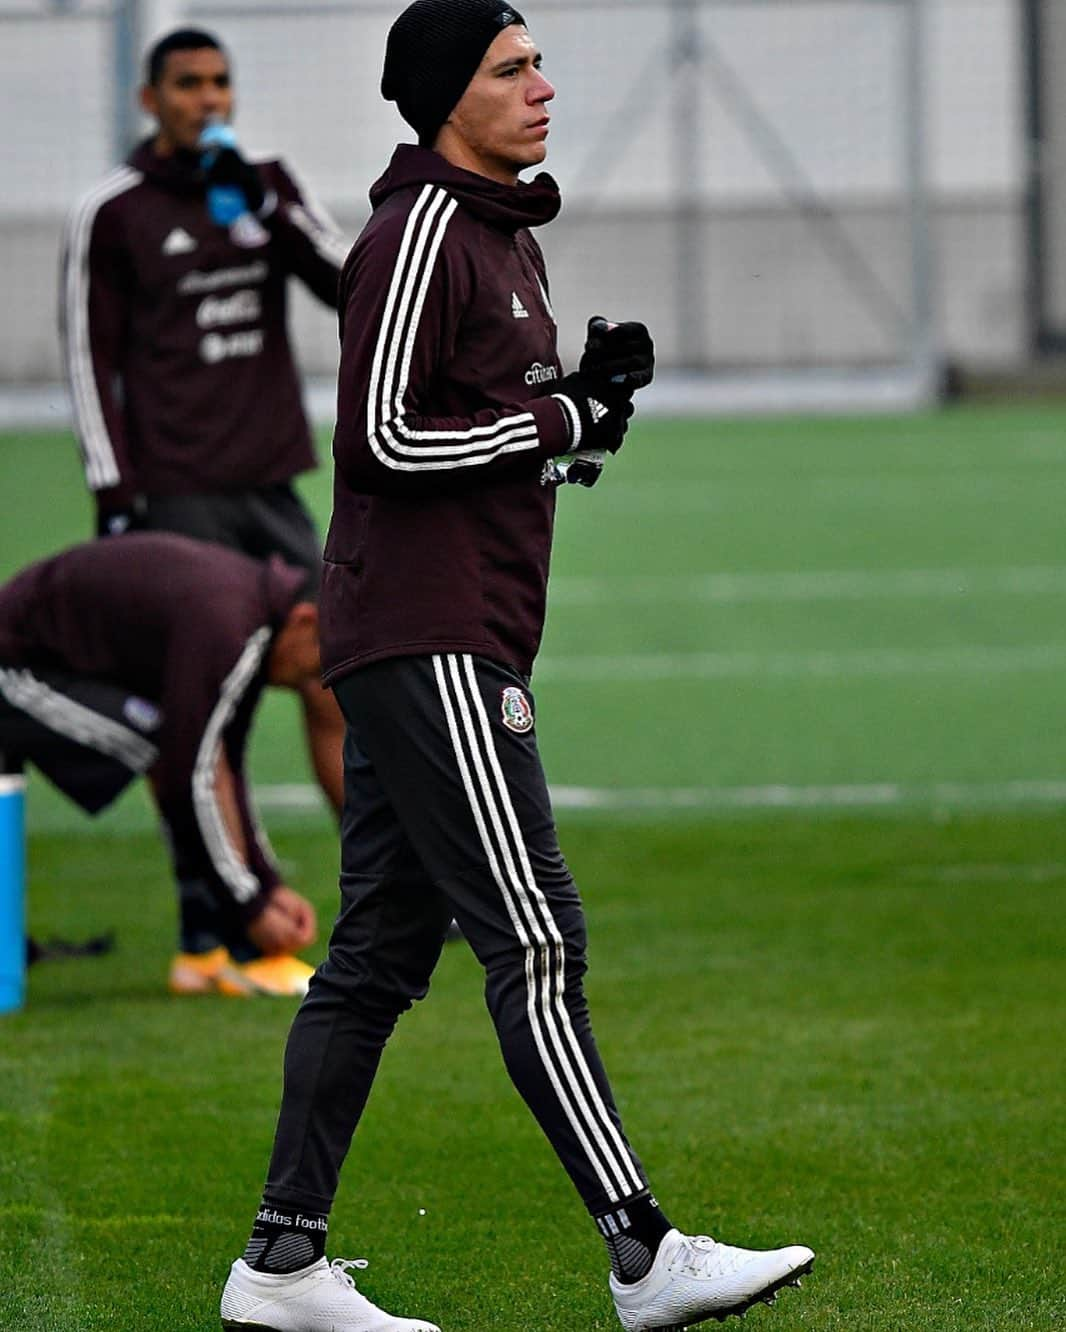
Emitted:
<point x="225" y="203"/>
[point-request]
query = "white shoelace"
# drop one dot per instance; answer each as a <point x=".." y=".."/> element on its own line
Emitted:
<point x="705" y="1257"/>
<point x="339" y="1270"/>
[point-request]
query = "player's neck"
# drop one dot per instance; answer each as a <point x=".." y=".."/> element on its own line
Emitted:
<point x="163" y="145"/>
<point x="460" y="154"/>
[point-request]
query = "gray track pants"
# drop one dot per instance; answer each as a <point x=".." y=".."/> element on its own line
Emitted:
<point x="447" y="814"/>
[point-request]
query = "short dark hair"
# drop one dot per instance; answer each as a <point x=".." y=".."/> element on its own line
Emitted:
<point x="182" y="39"/>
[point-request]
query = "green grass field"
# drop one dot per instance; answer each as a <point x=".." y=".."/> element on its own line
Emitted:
<point x="801" y="700"/>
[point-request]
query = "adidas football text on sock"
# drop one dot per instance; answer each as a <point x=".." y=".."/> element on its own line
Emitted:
<point x="633" y="1233"/>
<point x="285" y="1240"/>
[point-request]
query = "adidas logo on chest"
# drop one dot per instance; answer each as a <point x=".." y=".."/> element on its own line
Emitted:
<point x="518" y="310"/>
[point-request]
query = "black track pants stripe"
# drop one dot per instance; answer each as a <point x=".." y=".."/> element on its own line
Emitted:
<point x="497" y="824"/>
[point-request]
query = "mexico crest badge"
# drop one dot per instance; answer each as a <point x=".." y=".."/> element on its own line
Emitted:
<point x="517" y="714"/>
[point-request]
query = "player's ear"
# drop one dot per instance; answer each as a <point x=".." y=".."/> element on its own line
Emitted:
<point x="149" y="100"/>
<point x="304" y="615"/>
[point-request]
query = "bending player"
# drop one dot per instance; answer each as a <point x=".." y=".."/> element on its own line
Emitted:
<point x="149" y="656"/>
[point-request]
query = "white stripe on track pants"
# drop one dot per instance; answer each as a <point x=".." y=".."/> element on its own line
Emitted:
<point x="447" y="814"/>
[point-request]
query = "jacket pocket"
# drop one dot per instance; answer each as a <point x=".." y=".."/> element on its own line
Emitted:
<point x="346" y="539"/>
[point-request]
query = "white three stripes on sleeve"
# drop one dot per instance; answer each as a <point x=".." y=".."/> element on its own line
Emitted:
<point x="501" y="836"/>
<point x="394" y="443"/>
<point x="329" y="245"/>
<point x="228" y="863"/>
<point x="316" y="223"/>
<point x="101" y="466"/>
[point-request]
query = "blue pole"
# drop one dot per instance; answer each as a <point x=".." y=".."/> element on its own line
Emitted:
<point x="12" y="892"/>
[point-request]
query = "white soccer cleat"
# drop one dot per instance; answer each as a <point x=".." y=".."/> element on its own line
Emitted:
<point x="320" y="1298"/>
<point x="694" y="1278"/>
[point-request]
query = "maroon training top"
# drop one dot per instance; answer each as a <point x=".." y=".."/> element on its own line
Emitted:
<point x="187" y="625"/>
<point x="442" y="523"/>
<point x="174" y="331"/>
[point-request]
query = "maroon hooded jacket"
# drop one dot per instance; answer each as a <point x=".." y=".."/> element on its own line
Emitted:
<point x="442" y="518"/>
<point x="174" y="331"/>
<point x="188" y="626"/>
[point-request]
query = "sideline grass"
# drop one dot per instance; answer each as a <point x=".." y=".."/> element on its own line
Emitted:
<point x="845" y="1032"/>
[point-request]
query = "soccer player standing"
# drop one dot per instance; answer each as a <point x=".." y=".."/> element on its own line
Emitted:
<point x="186" y="400"/>
<point x="452" y="406"/>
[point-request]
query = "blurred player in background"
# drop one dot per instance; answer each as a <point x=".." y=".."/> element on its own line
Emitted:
<point x="148" y="655"/>
<point x="186" y="399"/>
<point x="452" y="409"/>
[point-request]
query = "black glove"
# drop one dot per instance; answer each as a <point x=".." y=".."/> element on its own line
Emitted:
<point x="584" y="468"/>
<point x="596" y="410"/>
<point x="623" y="351"/>
<point x="230" y="168"/>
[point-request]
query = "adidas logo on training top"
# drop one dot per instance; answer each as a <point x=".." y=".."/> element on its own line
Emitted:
<point x="517" y="308"/>
<point x="178" y="242"/>
<point x="597" y="410"/>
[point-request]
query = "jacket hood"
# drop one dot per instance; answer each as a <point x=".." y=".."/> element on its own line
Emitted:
<point x="509" y="207"/>
<point x="180" y="173"/>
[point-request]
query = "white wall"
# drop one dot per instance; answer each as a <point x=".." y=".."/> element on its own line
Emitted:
<point x="826" y="76"/>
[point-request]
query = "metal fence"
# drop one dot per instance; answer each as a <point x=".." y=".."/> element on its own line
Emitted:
<point x="752" y="177"/>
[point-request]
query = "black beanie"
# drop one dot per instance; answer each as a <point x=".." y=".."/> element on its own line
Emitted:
<point x="433" y="52"/>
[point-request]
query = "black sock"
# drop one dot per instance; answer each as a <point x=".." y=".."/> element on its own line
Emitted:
<point x="284" y="1239"/>
<point x="633" y="1232"/>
